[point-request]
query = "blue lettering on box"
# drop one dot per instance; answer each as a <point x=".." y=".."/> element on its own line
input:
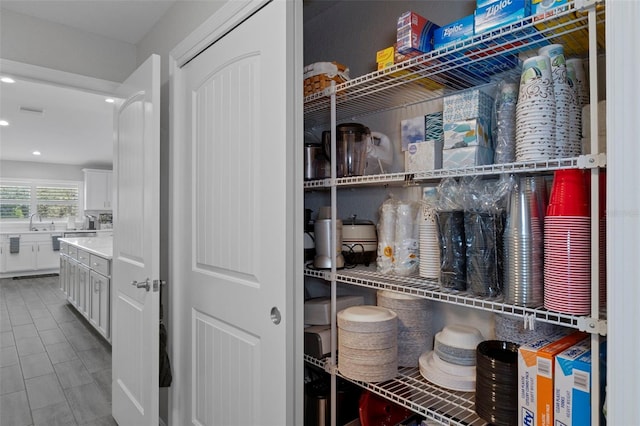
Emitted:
<point x="528" y="418"/>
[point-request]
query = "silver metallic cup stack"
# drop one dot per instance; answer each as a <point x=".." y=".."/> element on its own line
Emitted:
<point x="524" y="244"/>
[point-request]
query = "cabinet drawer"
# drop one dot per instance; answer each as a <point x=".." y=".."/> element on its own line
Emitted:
<point x="73" y="252"/>
<point x="100" y="265"/>
<point x="84" y="257"/>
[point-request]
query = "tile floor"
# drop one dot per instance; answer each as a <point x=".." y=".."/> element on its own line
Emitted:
<point x="54" y="367"/>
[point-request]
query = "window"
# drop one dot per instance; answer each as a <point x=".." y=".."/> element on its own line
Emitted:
<point x="48" y="199"/>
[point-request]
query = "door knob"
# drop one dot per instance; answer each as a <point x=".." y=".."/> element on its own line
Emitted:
<point x="142" y="284"/>
<point x="276" y="317"/>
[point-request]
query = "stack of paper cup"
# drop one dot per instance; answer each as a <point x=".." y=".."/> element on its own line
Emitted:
<point x="386" y="237"/>
<point x="536" y="111"/>
<point x="429" y="245"/>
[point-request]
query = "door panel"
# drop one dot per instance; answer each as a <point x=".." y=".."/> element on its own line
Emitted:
<point x="233" y="189"/>
<point x="136" y="247"/>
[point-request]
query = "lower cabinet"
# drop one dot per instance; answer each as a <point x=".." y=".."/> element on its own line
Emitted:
<point x="83" y="280"/>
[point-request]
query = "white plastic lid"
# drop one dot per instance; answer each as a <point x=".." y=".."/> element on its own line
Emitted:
<point x="366" y="313"/>
<point x="460" y="336"/>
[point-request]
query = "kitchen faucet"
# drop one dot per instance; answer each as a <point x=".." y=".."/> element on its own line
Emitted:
<point x="31" y="220"/>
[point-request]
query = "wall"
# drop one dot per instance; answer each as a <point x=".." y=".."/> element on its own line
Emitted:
<point x="32" y="170"/>
<point x="50" y="45"/>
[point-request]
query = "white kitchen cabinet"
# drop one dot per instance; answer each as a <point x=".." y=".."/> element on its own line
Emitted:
<point x="72" y="282"/>
<point x="82" y="280"/>
<point x="36" y="255"/>
<point x="46" y="257"/>
<point x="404" y="85"/>
<point x="100" y="295"/>
<point x="97" y="189"/>
<point x="24" y="260"/>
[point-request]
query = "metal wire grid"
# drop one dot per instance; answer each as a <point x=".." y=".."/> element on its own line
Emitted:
<point x="476" y="61"/>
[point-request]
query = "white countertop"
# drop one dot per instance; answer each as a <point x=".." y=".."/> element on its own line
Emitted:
<point x="101" y="246"/>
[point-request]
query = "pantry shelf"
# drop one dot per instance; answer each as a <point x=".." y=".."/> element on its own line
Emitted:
<point x="472" y="62"/>
<point x="430" y="289"/>
<point x="583" y="161"/>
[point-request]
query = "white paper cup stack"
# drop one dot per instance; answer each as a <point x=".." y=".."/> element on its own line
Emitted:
<point x="367" y="343"/>
<point x="406" y="240"/>
<point x="415" y="331"/>
<point x="429" y="245"/>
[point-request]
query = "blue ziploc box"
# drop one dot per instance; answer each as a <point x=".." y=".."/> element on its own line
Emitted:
<point x="414" y="33"/>
<point x="455" y="31"/>
<point x="483" y="3"/>
<point x="500" y="13"/>
<point x="583" y="383"/>
<point x="563" y="407"/>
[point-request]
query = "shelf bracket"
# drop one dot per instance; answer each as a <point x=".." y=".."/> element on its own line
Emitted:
<point x="330" y="368"/>
<point x="592" y="161"/>
<point x="593" y="325"/>
<point x="586" y="4"/>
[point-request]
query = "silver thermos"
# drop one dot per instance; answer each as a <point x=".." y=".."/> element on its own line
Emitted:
<point x="322" y="233"/>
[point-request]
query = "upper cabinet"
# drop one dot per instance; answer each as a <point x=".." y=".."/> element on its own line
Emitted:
<point x="97" y="189"/>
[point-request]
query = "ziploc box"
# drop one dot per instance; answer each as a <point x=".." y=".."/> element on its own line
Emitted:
<point x="414" y="33"/>
<point x="500" y="13"/>
<point x="467" y="105"/>
<point x="469" y="156"/>
<point x="583" y="383"/>
<point x="542" y="7"/>
<point x="464" y="133"/>
<point x="546" y="369"/>
<point x="423" y="156"/>
<point x="563" y="406"/>
<point x="455" y="31"/>
<point x="528" y="374"/>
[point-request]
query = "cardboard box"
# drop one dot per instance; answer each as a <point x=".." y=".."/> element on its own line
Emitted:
<point x="461" y="134"/>
<point x="563" y="407"/>
<point x="543" y="7"/>
<point x="527" y="377"/>
<point x="423" y="156"/>
<point x="483" y="3"/>
<point x="470" y="156"/>
<point x="385" y="58"/>
<point x="414" y="33"/>
<point x="583" y="383"/>
<point x="433" y="127"/>
<point x="455" y="31"/>
<point x="545" y="376"/>
<point x="467" y="105"/>
<point x="500" y="13"/>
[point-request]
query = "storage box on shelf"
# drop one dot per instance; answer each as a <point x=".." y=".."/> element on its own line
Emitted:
<point x="382" y="90"/>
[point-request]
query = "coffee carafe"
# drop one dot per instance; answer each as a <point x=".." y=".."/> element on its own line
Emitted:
<point x="352" y="140"/>
<point x="322" y="233"/>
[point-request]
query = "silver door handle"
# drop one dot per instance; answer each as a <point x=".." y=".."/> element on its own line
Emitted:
<point x="142" y="284"/>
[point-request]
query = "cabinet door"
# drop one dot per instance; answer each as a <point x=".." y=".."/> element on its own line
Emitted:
<point x="83" y="288"/>
<point x="46" y="258"/>
<point x="25" y="260"/>
<point x="97" y="190"/>
<point x="63" y="272"/>
<point x="72" y="272"/>
<point x="99" y="311"/>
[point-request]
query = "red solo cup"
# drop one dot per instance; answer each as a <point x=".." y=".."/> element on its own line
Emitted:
<point x="568" y="209"/>
<point x="569" y="194"/>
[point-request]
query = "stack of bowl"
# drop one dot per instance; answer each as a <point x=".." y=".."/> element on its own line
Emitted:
<point x="415" y="335"/>
<point x="367" y="343"/>
<point x="452" y="363"/>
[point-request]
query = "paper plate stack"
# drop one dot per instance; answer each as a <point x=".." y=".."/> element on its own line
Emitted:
<point x="415" y="335"/>
<point x="367" y="343"/>
<point x="452" y="363"/>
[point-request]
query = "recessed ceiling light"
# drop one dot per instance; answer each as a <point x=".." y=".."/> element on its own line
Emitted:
<point x="36" y="152"/>
<point x="109" y="100"/>
<point x="7" y="80"/>
<point x="4" y="123"/>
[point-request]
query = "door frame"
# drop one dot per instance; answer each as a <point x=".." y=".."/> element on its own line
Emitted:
<point x="231" y="14"/>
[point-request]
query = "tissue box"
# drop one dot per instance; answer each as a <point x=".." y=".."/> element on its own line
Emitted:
<point x="500" y="13"/>
<point x="414" y="33"/>
<point x="470" y="156"/>
<point x="412" y="130"/>
<point x="455" y="31"/>
<point x="467" y="105"/>
<point x="422" y="156"/>
<point x="460" y="134"/>
<point x="385" y="57"/>
<point x="563" y="383"/>
<point x="433" y="129"/>
<point x="582" y="384"/>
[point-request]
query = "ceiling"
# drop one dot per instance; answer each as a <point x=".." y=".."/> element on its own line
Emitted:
<point x="76" y="127"/>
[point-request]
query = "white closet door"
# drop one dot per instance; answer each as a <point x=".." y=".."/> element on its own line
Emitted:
<point x="234" y="227"/>
<point x="136" y="248"/>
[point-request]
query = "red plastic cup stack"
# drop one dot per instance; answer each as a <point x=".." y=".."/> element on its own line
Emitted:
<point x="567" y="245"/>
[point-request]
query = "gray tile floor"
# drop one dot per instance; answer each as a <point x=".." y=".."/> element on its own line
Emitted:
<point x="55" y="370"/>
